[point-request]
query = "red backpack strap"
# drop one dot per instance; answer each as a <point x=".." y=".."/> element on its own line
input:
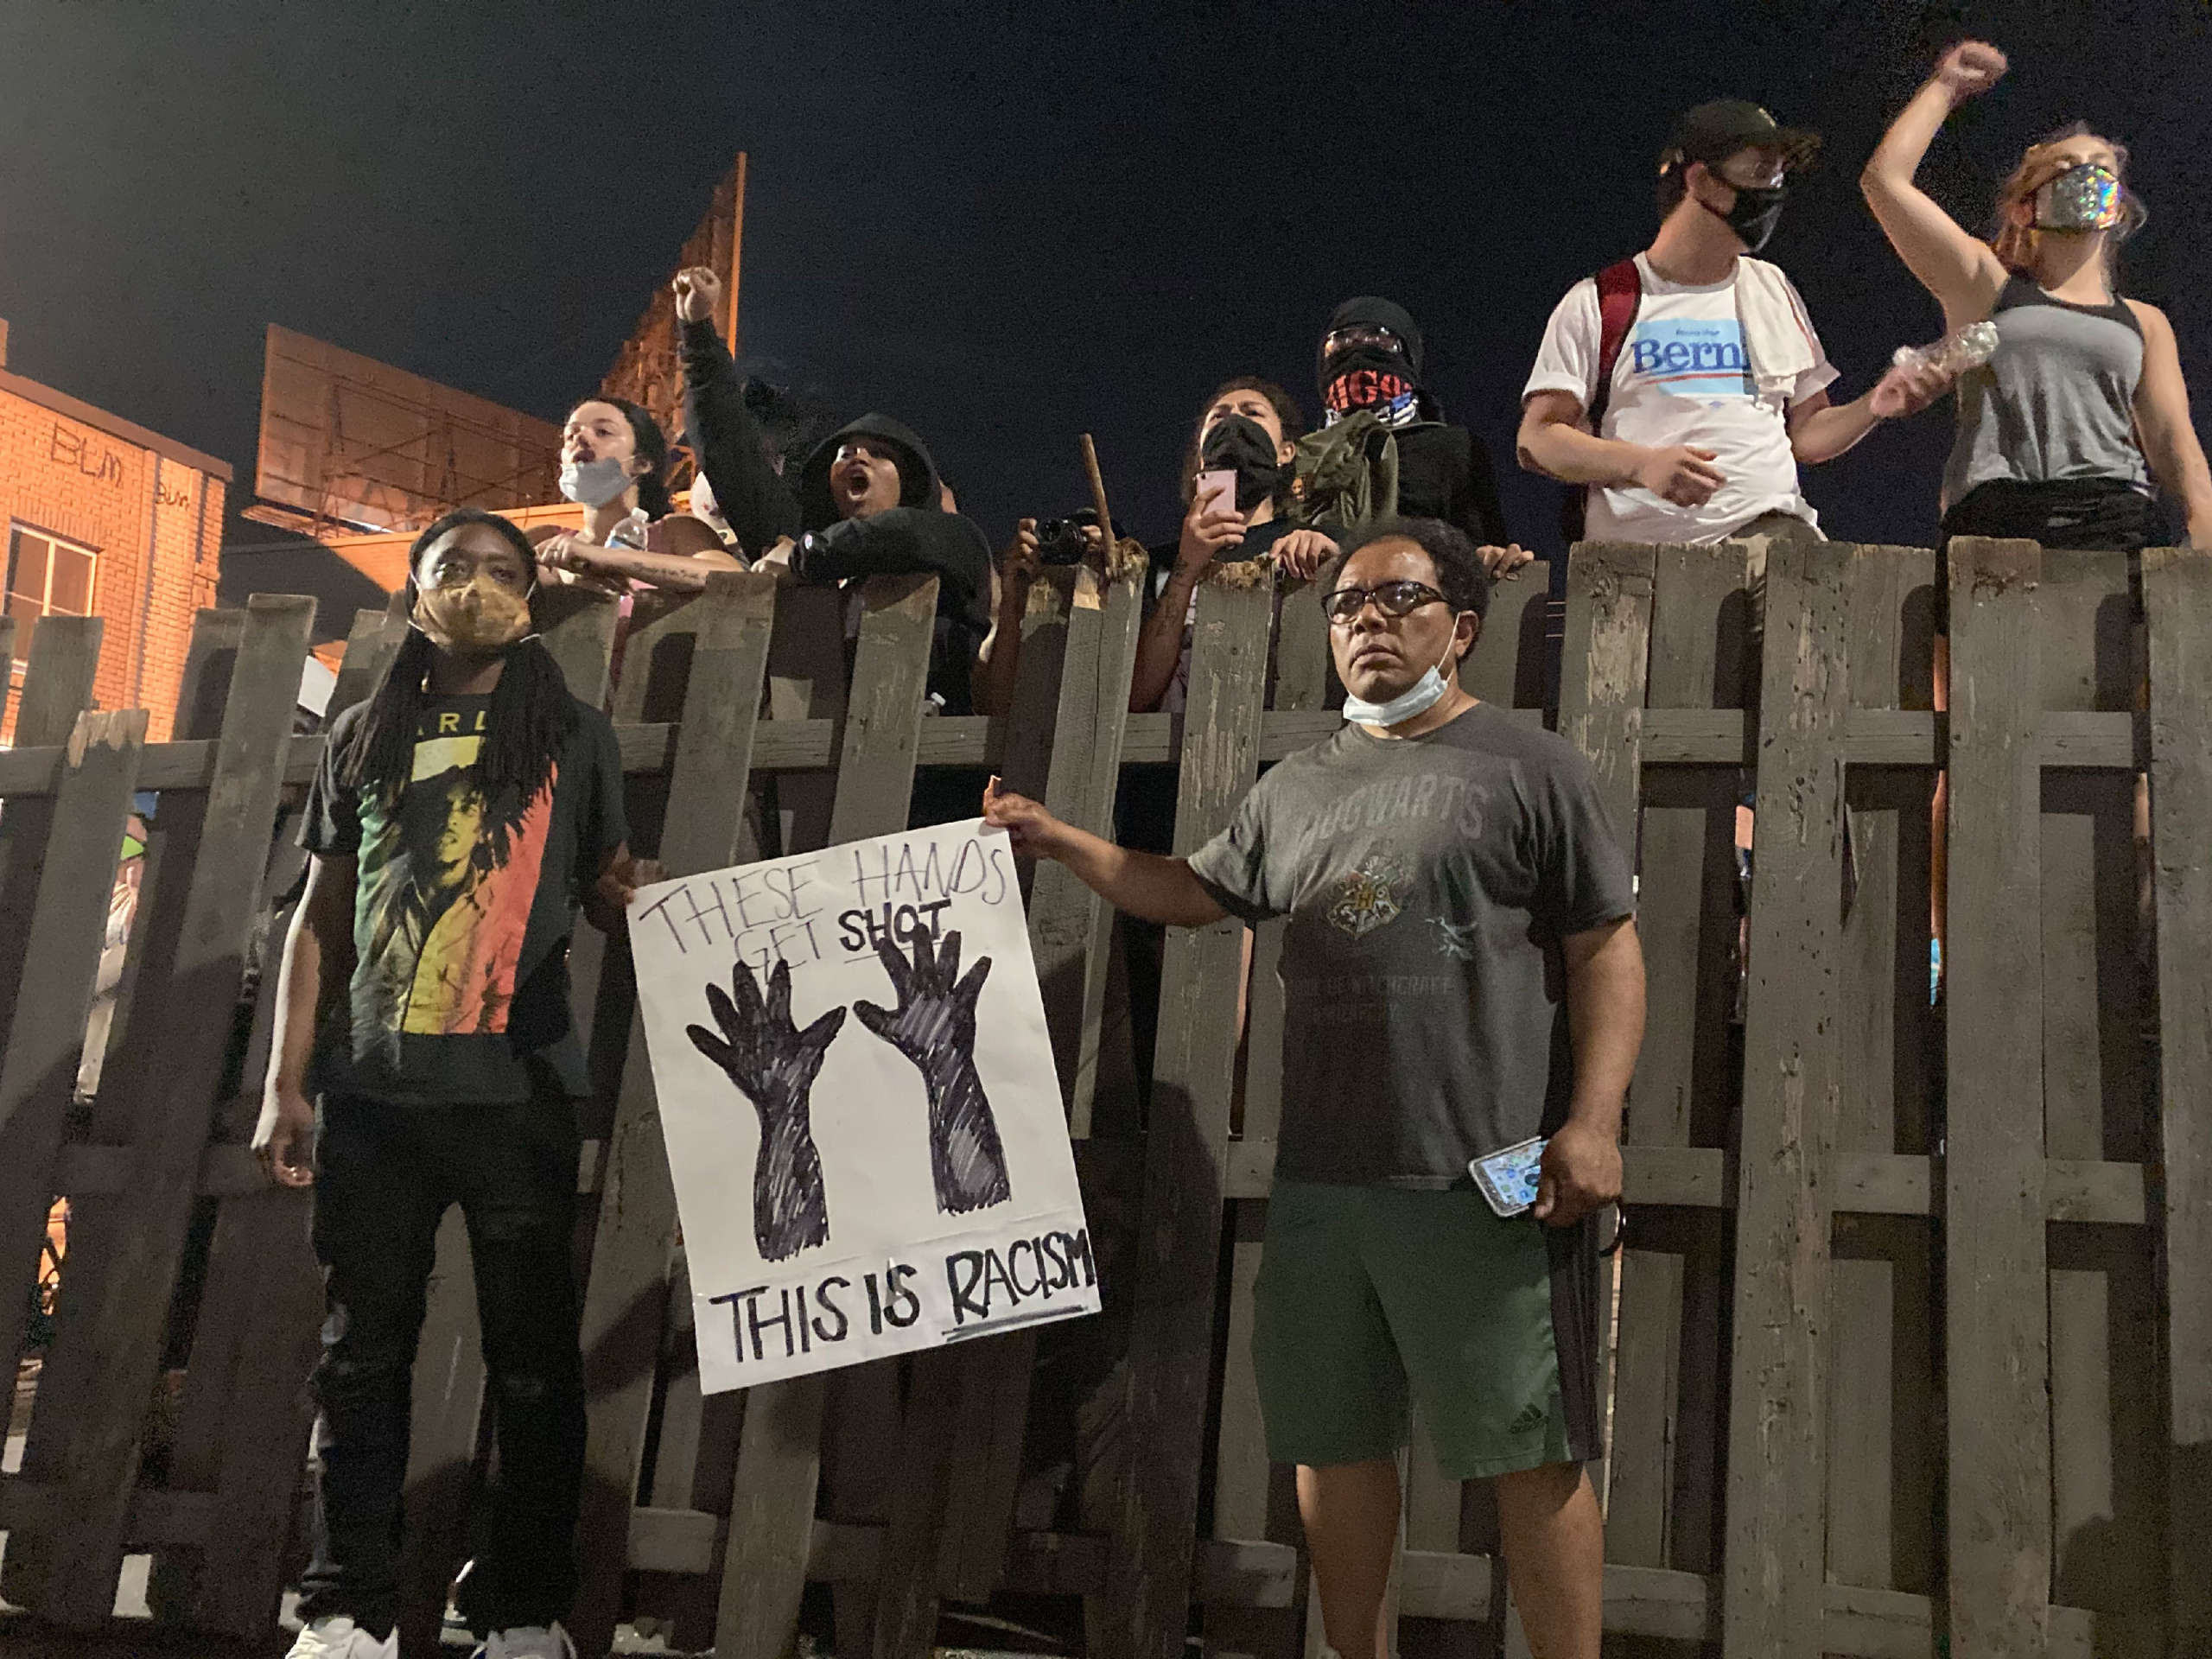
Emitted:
<point x="1620" y="292"/>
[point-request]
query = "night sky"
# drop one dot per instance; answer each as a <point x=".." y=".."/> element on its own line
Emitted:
<point x="1006" y="225"/>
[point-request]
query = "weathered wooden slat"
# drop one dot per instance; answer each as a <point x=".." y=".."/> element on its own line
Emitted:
<point x="7" y="667"/>
<point x="779" y="1464"/>
<point x="57" y="688"/>
<point x="577" y="625"/>
<point x="370" y="645"/>
<point x="2177" y="595"/>
<point x="806" y="683"/>
<point x="2098" y="1103"/>
<point x="1883" y="1454"/>
<point x="1604" y="675"/>
<point x="1194" y="1074"/>
<point x="625" y="1293"/>
<point x="63" y="935"/>
<point x="1068" y="928"/>
<point x="1997" y="1349"/>
<point x="1506" y="664"/>
<point x="1666" y="1389"/>
<point x="1793" y="1065"/>
<point x="951" y="1515"/>
<point x="124" y="1256"/>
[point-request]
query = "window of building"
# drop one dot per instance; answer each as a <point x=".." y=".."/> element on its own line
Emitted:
<point x="46" y="576"/>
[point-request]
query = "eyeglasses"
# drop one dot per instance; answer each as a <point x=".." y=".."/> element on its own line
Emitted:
<point x="1393" y="599"/>
<point x="1360" y="334"/>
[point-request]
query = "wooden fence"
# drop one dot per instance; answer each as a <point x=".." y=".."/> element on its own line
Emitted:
<point x="1914" y="1338"/>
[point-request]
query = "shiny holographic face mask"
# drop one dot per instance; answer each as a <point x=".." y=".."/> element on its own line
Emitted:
<point x="2090" y="197"/>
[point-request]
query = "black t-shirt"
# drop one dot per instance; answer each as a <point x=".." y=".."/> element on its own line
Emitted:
<point x="462" y="912"/>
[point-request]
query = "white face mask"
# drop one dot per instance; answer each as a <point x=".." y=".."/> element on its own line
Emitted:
<point x="1423" y="696"/>
<point x="594" y="483"/>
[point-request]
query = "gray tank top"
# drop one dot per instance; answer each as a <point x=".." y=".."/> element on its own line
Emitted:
<point x="2056" y="400"/>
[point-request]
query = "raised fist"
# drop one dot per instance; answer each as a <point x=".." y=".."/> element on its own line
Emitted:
<point x="698" y="293"/>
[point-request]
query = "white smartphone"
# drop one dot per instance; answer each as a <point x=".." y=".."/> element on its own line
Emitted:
<point x="1216" y="491"/>
<point x="1508" y="1177"/>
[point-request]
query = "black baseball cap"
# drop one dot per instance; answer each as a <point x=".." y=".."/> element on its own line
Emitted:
<point x="1712" y="132"/>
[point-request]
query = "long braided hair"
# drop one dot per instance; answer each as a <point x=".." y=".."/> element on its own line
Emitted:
<point x="532" y="713"/>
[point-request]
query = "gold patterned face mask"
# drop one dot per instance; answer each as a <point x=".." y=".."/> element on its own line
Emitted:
<point x="474" y="618"/>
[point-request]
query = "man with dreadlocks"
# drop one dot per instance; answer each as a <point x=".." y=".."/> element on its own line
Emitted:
<point x="460" y="816"/>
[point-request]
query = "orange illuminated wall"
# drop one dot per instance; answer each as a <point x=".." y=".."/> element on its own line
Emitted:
<point x="148" y="510"/>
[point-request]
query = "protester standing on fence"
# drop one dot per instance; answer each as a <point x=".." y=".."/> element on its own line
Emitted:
<point x="1461" y="973"/>
<point x="1679" y="391"/>
<point x="1384" y="449"/>
<point x="424" y="1056"/>
<point x="614" y="465"/>
<point x="2082" y="402"/>
<point x="868" y="500"/>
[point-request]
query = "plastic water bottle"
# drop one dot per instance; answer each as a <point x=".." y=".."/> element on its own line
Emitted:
<point x="630" y="532"/>
<point x="1957" y="351"/>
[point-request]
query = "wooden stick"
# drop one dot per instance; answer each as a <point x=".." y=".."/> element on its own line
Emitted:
<point x="1098" y="494"/>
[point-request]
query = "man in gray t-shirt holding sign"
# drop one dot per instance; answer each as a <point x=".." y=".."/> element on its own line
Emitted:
<point x="1463" y="977"/>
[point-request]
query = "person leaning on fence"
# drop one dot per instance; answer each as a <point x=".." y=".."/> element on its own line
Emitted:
<point x="614" y="465"/>
<point x="868" y="502"/>
<point x="1461" y="973"/>
<point x="459" y="819"/>
<point x="1679" y="391"/>
<point x="1384" y="449"/>
<point x="1249" y="426"/>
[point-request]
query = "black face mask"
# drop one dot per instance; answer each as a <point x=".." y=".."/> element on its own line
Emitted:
<point x="1242" y="445"/>
<point x="1754" y="213"/>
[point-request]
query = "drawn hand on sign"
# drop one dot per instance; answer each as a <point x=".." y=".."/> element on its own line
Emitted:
<point x="934" y="1025"/>
<point x="773" y="1065"/>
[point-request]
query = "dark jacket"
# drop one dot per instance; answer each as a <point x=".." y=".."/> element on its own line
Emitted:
<point x="1444" y="471"/>
<point x="763" y="506"/>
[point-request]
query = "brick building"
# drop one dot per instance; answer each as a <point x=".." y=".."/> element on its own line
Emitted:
<point x="102" y="518"/>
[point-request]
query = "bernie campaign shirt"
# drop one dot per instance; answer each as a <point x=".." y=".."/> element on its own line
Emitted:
<point x="462" y="912"/>
<point x="1683" y="376"/>
<point x="1428" y="881"/>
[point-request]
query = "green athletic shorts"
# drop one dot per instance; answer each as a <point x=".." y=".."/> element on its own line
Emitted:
<point x="1364" y="1290"/>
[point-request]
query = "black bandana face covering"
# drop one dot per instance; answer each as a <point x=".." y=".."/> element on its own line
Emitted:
<point x="1242" y="444"/>
<point x="1753" y="217"/>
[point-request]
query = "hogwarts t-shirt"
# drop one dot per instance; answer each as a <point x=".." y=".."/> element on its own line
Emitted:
<point x="1429" y="881"/>
<point x="462" y="912"/>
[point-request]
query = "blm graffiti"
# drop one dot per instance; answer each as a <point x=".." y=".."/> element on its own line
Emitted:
<point x="857" y="1093"/>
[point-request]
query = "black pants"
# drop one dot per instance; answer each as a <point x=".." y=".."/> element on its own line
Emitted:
<point x="385" y="1175"/>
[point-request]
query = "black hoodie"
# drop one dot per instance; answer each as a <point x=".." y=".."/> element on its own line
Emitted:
<point x="1444" y="471"/>
<point x="917" y="536"/>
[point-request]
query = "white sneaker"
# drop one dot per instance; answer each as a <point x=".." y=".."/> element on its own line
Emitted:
<point x="527" y="1642"/>
<point x="341" y="1638"/>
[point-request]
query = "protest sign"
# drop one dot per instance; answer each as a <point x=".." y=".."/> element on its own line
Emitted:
<point x="857" y="1094"/>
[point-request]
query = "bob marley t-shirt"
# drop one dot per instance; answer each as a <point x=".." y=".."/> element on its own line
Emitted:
<point x="462" y="912"/>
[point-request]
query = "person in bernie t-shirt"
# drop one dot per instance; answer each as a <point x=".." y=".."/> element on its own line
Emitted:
<point x="460" y="818"/>
<point x="1462" y="975"/>
<point x="1718" y="388"/>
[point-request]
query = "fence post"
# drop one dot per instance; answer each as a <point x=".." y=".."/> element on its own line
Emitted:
<point x="625" y="1295"/>
<point x="1997" y="1347"/>
<point x="1793" y="1064"/>
<point x="2177" y="594"/>
<point x="123" y="1250"/>
<point x="63" y="936"/>
<point x="1148" y="1575"/>
<point x="779" y="1464"/>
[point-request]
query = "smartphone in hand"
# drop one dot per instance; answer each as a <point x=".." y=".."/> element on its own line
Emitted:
<point x="1216" y="492"/>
